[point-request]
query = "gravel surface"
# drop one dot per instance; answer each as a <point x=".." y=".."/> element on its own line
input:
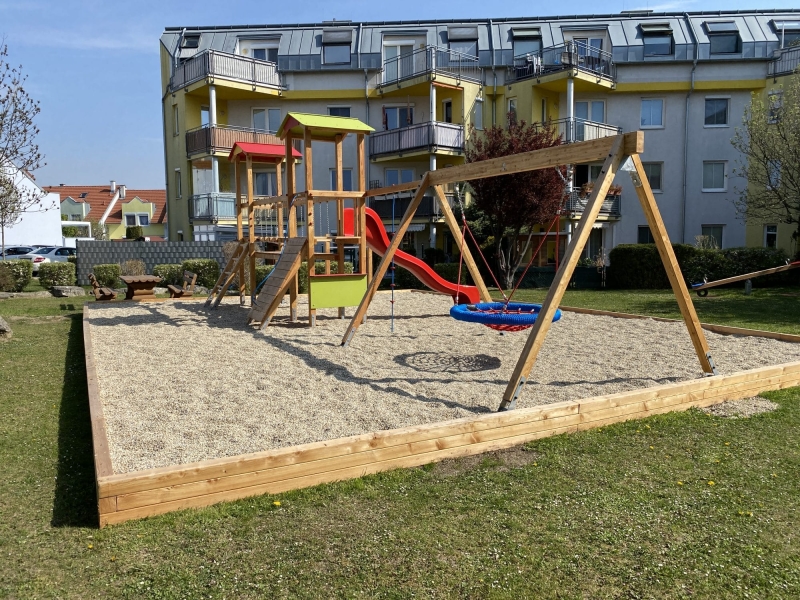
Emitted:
<point x="746" y="407"/>
<point x="180" y="383"/>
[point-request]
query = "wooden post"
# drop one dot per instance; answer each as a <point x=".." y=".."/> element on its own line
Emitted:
<point x="279" y="191"/>
<point x="340" y="210"/>
<point x="383" y="266"/>
<point x="545" y="319"/>
<point x="360" y="216"/>
<point x="659" y="232"/>
<point x="312" y="312"/>
<point x="369" y="266"/>
<point x="251" y="223"/>
<point x="292" y="219"/>
<point x="452" y="223"/>
<point x="237" y="173"/>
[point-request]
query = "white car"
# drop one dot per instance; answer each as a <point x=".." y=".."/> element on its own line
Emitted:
<point x="47" y="254"/>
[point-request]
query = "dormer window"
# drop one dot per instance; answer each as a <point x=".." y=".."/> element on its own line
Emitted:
<point x="657" y="39"/>
<point x="527" y="41"/>
<point x="788" y="32"/>
<point x="723" y="37"/>
<point x="336" y="44"/>
<point x="463" y="40"/>
<point x="191" y="41"/>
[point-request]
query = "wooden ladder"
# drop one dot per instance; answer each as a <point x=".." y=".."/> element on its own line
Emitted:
<point x="228" y="273"/>
<point x="277" y="285"/>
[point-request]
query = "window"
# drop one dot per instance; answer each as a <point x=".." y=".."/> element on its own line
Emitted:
<point x="477" y="114"/>
<point x="339" y="111"/>
<point x="447" y="111"/>
<point x="716" y="112"/>
<point x="395" y="117"/>
<point x="723" y="37"/>
<point x="395" y="176"/>
<point x="269" y="54"/>
<point x="788" y="32"/>
<point x="512" y="110"/>
<point x="770" y="236"/>
<point x="773" y="174"/>
<point x="590" y="110"/>
<point x="527" y="45"/>
<point x="204" y="115"/>
<point x="469" y="48"/>
<point x="652" y="112"/>
<point x="775" y="99"/>
<point x="336" y="43"/>
<point x="177" y="183"/>
<point x="144" y="220"/>
<point x="265" y="183"/>
<point x="714" y="176"/>
<point x="130" y="220"/>
<point x="713" y="233"/>
<point x="544" y="110"/>
<point x="463" y="40"/>
<point x="653" y="172"/>
<point x="75" y="217"/>
<point x="190" y="41"/>
<point x="645" y="236"/>
<point x="657" y="39"/>
<point x="267" y="119"/>
<point x="347" y="179"/>
<point x="589" y="46"/>
<point x="175" y="129"/>
<point x="398" y="60"/>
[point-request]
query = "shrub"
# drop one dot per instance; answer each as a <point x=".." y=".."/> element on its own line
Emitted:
<point x="107" y="275"/>
<point x="134" y="232"/>
<point x="17" y="275"/>
<point x="133" y="267"/>
<point x="73" y="259"/>
<point x="319" y="269"/>
<point x="261" y="273"/>
<point x="449" y="271"/>
<point x="171" y="274"/>
<point x="638" y="266"/>
<point x="56" y="273"/>
<point x="206" y="269"/>
<point x="433" y="256"/>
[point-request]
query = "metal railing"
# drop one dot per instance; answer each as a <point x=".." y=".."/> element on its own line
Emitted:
<point x="785" y="63"/>
<point x="569" y="55"/>
<point x="581" y="130"/>
<point x="431" y="59"/>
<point x="431" y="135"/>
<point x="221" y="138"/>
<point x="576" y="203"/>
<point x="223" y="65"/>
<point x="212" y="206"/>
<point x="429" y="207"/>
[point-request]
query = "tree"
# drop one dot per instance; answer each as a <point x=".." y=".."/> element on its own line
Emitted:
<point x="769" y="142"/>
<point x="513" y="204"/>
<point x="19" y="154"/>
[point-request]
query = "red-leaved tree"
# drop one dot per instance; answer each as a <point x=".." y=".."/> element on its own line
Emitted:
<point x="513" y="204"/>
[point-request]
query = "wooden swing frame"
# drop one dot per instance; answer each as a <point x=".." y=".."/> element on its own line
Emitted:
<point x="619" y="152"/>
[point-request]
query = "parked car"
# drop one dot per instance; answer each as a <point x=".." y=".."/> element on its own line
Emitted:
<point x="14" y="252"/>
<point x="47" y="254"/>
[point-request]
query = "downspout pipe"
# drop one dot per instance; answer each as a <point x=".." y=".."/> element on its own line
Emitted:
<point x="686" y="128"/>
<point x="111" y="205"/>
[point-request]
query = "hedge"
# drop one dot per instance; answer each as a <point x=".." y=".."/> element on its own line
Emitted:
<point x="638" y="266"/>
<point x="56" y="273"/>
<point x="319" y="269"/>
<point x="17" y="274"/>
<point x="206" y="269"/>
<point x="107" y="275"/>
<point x="449" y="271"/>
<point x="134" y="232"/>
<point x="171" y="274"/>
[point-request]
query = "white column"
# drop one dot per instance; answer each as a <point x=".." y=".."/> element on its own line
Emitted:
<point x="570" y="126"/>
<point x="212" y="121"/>
<point x="432" y="238"/>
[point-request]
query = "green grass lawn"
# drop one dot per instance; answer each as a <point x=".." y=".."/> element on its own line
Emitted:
<point x="627" y="511"/>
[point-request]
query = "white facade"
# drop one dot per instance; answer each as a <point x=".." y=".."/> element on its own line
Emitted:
<point x="41" y="223"/>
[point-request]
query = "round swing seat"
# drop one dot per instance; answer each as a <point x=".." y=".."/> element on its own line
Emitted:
<point x="496" y="315"/>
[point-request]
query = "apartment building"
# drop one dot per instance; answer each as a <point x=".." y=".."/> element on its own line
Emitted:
<point x="683" y="78"/>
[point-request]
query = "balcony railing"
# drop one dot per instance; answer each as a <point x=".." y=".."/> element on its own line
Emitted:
<point x="611" y="205"/>
<point x="786" y="62"/>
<point x="221" y="138"/>
<point x="430" y="60"/>
<point x="429" y="207"/>
<point x="430" y="136"/>
<point x="212" y="207"/>
<point x="222" y="65"/>
<point x="582" y="130"/>
<point x="570" y="55"/>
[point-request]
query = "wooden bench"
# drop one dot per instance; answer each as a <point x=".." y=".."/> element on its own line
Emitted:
<point x="101" y="293"/>
<point x="189" y="280"/>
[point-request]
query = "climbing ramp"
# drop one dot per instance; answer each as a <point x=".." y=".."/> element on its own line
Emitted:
<point x="228" y="273"/>
<point x="278" y="282"/>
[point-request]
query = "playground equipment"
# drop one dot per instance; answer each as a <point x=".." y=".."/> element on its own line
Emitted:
<point x="702" y="288"/>
<point x="501" y="316"/>
<point x="620" y="152"/>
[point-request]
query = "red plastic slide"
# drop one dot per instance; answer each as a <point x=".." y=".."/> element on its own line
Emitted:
<point x="378" y="242"/>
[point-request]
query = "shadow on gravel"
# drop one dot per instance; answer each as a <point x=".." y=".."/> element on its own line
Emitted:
<point x="74" y="502"/>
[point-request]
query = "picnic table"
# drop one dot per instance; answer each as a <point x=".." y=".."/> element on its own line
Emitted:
<point x="140" y="287"/>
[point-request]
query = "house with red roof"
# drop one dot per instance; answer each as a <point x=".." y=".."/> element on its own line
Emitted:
<point x="116" y="207"/>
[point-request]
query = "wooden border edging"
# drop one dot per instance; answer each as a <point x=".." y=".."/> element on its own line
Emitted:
<point x="139" y="494"/>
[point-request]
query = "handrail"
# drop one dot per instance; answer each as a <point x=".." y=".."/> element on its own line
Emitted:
<point x="212" y="206"/>
<point x="577" y="204"/>
<point x="581" y="130"/>
<point x="211" y="138"/>
<point x="431" y="59"/>
<point x="569" y="55"/>
<point x="430" y="134"/>
<point x="785" y="63"/>
<point x="224" y="65"/>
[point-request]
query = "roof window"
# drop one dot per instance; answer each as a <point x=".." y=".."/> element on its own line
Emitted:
<point x="190" y="41"/>
<point x="657" y="39"/>
<point x="723" y="37"/>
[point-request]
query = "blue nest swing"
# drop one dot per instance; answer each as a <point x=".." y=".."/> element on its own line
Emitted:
<point x="514" y="316"/>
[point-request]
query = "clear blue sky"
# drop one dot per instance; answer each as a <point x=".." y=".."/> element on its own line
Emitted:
<point x="94" y="66"/>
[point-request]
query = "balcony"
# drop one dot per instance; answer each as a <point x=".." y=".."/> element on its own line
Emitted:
<point x="430" y="137"/>
<point x="582" y="130"/>
<point x="212" y="207"/>
<point x="225" y="66"/>
<point x="210" y="139"/>
<point x="611" y="207"/>
<point x="785" y="62"/>
<point x="430" y="61"/>
<point x="563" y="57"/>
<point x="428" y="208"/>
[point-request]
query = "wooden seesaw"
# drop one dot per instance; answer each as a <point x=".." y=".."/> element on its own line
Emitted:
<point x="702" y="288"/>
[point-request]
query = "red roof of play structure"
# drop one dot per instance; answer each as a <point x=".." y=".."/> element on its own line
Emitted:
<point x="272" y="151"/>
